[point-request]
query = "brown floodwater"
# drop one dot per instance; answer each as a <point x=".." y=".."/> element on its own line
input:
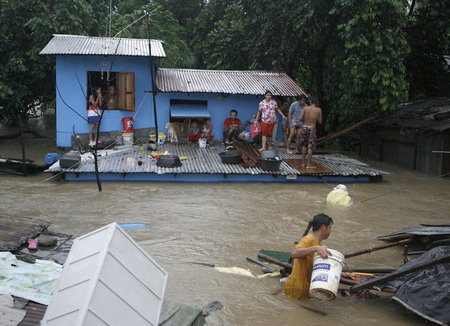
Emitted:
<point x="221" y="224"/>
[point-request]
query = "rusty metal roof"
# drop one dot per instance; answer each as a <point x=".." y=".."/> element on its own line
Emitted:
<point x="207" y="161"/>
<point x="91" y="45"/>
<point x="429" y="114"/>
<point x="253" y="82"/>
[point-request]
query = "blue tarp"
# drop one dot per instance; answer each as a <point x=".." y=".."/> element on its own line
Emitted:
<point x="189" y="111"/>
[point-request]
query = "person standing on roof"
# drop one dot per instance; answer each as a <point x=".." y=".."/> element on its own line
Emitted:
<point x="295" y="110"/>
<point x="310" y="116"/>
<point x="267" y="112"/>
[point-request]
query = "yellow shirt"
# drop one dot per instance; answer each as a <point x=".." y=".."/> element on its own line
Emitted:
<point x="297" y="285"/>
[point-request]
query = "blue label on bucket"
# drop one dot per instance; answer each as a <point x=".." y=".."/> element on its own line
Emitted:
<point x="320" y="278"/>
<point x="321" y="266"/>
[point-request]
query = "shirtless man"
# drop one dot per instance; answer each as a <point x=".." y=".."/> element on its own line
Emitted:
<point x="310" y="116"/>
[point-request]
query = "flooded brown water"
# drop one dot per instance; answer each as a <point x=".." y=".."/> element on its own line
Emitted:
<point x="221" y="224"/>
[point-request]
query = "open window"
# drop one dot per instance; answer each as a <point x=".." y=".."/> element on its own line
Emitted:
<point x="183" y="112"/>
<point x="118" y="90"/>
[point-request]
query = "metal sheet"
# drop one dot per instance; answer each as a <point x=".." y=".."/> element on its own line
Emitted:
<point x="227" y="82"/>
<point x="91" y="45"/>
<point x="207" y="161"/>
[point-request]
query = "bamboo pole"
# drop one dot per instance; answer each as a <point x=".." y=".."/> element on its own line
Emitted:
<point x="275" y="261"/>
<point x="270" y="268"/>
<point x="369" y="250"/>
<point x="344" y="131"/>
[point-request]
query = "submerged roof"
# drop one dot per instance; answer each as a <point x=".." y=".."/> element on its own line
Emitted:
<point x="251" y="82"/>
<point x="92" y="45"/>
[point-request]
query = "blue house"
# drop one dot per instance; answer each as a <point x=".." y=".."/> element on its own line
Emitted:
<point x="151" y="96"/>
<point x="134" y="87"/>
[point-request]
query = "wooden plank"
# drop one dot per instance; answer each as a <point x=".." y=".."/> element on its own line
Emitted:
<point x="9" y="316"/>
<point x="296" y="163"/>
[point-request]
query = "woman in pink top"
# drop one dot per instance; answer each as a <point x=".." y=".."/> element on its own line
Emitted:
<point x="267" y="111"/>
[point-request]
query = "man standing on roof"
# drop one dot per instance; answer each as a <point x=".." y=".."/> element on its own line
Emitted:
<point x="295" y="110"/>
<point x="232" y="126"/>
<point x="297" y="285"/>
<point x="311" y="115"/>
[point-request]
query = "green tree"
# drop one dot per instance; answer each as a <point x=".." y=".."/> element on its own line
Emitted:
<point x="26" y="77"/>
<point x="350" y="54"/>
<point x="375" y="48"/>
<point x="161" y="25"/>
<point x="428" y="34"/>
<point x="202" y="25"/>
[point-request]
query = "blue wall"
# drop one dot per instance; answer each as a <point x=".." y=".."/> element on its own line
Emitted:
<point x="71" y="80"/>
<point x="218" y="106"/>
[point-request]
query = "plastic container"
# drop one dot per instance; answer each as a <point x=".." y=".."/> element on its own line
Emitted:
<point x="127" y="138"/>
<point x="70" y="161"/>
<point x="326" y="276"/>
<point x="127" y="123"/>
<point x="161" y="138"/>
<point x="202" y="142"/>
<point x="231" y="157"/>
<point x="108" y="279"/>
<point x="51" y="158"/>
<point x="270" y="153"/>
<point x="168" y="161"/>
<point x="270" y="164"/>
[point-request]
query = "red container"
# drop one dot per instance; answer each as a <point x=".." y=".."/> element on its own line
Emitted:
<point x="127" y="123"/>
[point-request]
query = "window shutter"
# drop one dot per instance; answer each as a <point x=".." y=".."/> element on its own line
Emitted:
<point x="125" y="89"/>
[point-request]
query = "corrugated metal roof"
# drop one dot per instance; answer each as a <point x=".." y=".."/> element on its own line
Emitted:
<point x="429" y="114"/>
<point x="252" y="82"/>
<point x="34" y="314"/>
<point x="91" y="45"/>
<point x="207" y="161"/>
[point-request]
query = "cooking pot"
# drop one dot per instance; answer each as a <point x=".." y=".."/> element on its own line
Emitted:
<point x="230" y="157"/>
<point x="270" y="164"/>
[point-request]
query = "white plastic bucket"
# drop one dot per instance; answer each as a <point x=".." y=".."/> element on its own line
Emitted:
<point x="202" y="142"/>
<point x="326" y="275"/>
<point x="127" y="138"/>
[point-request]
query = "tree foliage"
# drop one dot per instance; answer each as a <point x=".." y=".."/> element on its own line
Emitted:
<point x="26" y="77"/>
<point x="161" y="25"/>
<point x="357" y="56"/>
